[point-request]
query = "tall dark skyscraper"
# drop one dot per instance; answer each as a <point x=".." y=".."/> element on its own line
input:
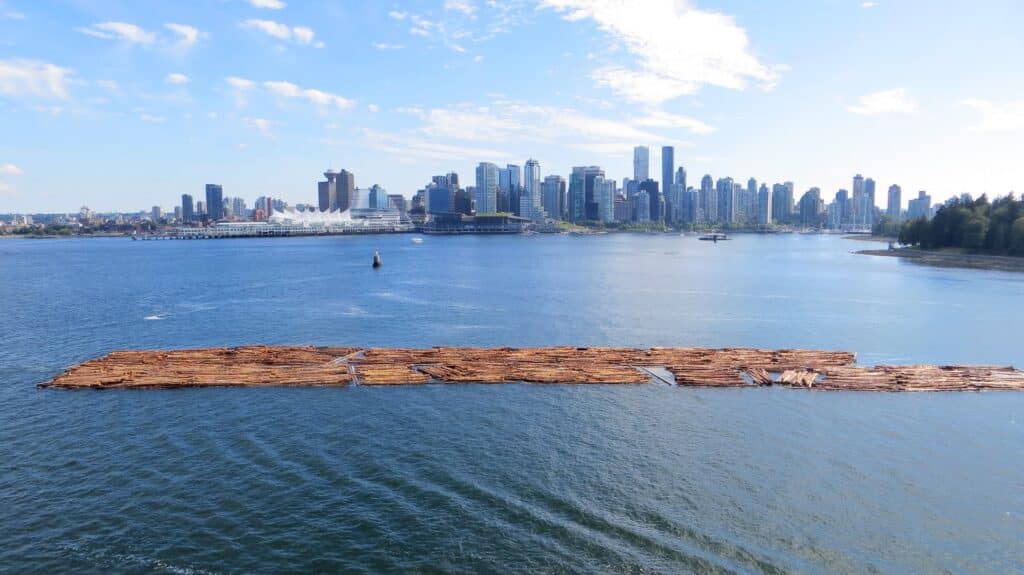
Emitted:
<point x="214" y="202"/>
<point x="654" y="198"/>
<point x="188" y="208"/>
<point x="345" y="186"/>
<point x="327" y="192"/>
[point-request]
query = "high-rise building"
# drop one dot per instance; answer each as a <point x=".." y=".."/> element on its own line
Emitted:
<point x="486" y="188"/>
<point x="214" y="202"/>
<point x="157" y="213"/>
<point x="642" y="208"/>
<point x="327" y="192"/>
<point x="869" y="201"/>
<point x="654" y="198"/>
<point x="921" y="207"/>
<point x="604" y="197"/>
<point x="668" y="170"/>
<point x="509" y="186"/>
<point x="440" y="195"/>
<point x="553" y="196"/>
<point x="531" y="194"/>
<point x="345" y="187"/>
<point x="188" y="209"/>
<point x="708" y="201"/>
<point x="397" y="202"/>
<point x="782" y="202"/>
<point x="726" y="193"/>
<point x="377" y="198"/>
<point x="894" y="207"/>
<point x="764" y="206"/>
<point x="641" y="163"/>
<point x="811" y="207"/>
<point x="582" y="206"/>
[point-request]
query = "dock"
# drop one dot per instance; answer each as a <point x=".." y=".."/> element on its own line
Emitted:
<point x="688" y="366"/>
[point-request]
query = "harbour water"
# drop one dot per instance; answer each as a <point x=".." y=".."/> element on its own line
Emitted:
<point x="504" y="479"/>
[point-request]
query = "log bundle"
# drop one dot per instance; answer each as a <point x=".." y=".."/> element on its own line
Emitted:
<point x="726" y="367"/>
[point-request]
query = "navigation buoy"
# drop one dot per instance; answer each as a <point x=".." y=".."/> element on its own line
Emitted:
<point x="376" y="259"/>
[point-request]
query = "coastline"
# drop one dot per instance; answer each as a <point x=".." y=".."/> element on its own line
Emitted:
<point x="948" y="259"/>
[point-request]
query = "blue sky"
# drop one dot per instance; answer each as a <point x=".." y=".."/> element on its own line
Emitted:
<point x="125" y="104"/>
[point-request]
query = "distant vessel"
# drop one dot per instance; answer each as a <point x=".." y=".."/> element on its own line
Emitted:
<point x="417" y="240"/>
<point x="713" y="237"/>
<point x="376" y="258"/>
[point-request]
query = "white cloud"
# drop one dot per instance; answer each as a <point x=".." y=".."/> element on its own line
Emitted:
<point x="239" y="83"/>
<point x="478" y="58"/>
<point x="318" y="97"/>
<point x="678" y="48"/>
<point x="419" y="32"/>
<point x="262" y="125"/>
<point x="109" y="85"/>
<point x="297" y="34"/>
<point x="119" y="31"/>
<point x="415" y="146"/>
<point x="396" y="15"/>
<point x="10" y="170"/>
<point x="152" y="119"/>
<point x="662" y="119"/>
<point x="268" y="4"/>
<point x="373" y="108"/>
<point x="387" y="46"/>
<point x="997" y="116"/>
<point x="868" y="4"/>
<point x="187" y="35"/>
<point x="33" y="78"/>
<point x="464" y="6"/>
<point x="176" y="78"/>
<point x="895" y="101"/>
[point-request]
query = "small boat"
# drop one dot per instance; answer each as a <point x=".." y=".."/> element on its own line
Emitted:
<point x="376" y="259"/>
<point x="417" y="240"/>
<point x="713" y="237"/>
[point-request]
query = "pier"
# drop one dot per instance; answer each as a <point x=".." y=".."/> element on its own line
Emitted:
<point x="686" y="366"/>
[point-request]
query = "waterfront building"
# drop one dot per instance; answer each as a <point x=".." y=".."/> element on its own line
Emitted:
<point x="157" y="213"/>
<point x="641" y="163"/>
<point x="530" y="199"/>
<point x="654" y="198"/>
<point x="764" y="205"/>
<point x="440" y="195"/>
<point x="486" y="188"/>
<point x="921" y="207"/>
<point x="782" y="202"/>
<point x="668" y="170"/>
<point x="397" y="202"/>
<point x="239" y="209"/>
<point x="583" y="193"/>
<point x="553" y="196"/>
<point x="708" y="204"/>
<point x="604" y="196"/>
<point x="894" y="207"/>
<point x="642" y="207"/>
<point x="327" y="192"/>
<point x="869" y="200"/>
<point x="726" y="196"/>
<point x="622" y="211"/>
<point x="214" y="202"/>
<point x="509" y="187"/>
<point x="188" y="210"/>
<point x="811" y="207"/>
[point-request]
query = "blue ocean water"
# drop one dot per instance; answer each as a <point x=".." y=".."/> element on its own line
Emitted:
<point x="502" y="479"/>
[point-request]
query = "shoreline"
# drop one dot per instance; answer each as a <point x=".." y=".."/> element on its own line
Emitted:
<point x="262" y="366"/>
<point x="952" y="259"/>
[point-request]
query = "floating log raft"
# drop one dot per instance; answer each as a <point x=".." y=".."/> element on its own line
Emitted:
<point x="726" y="367"/>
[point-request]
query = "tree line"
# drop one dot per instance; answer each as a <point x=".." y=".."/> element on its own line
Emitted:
<point x="980" y="225"/>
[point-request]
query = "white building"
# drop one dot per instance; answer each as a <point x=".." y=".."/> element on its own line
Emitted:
<point x="486" y="193"/>
<point x="604" y="196"/>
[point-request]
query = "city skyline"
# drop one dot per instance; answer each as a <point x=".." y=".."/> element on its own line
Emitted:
<point x="257" y="98"/>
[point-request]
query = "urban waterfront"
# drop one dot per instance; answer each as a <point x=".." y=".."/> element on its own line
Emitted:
<point x="521" y="478"/>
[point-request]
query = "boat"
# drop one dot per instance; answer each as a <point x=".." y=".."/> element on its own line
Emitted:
<point x="714" y="237"/>
<point x="376" y="259"/>
<point x="417" y="240"/>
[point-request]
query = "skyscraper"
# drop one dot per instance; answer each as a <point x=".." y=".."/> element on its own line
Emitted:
<point x="726" y="193"/>
<point x="509" y="186"/>
<point x="708" y="200"/>
<point x="764" y="206"/>
<point x="486" y="188"/>
<point x="604" y="197"/>
<point x="214" y="202"/>
<point x="782" y="202"/>
<point x="869" y="201"/>
<point x="654" y="199"/>
<point x="921" y="207"/>
<point x="188" y="210"/>
<point x="859" y="203"/>
<point x="327" y="192"/>
<point x="530" y="201"/>
<point x="345" y="190"/>
<point x="811" y="208"/>
<point x="894" y="207"/>
<point x="641" y="163"/>
<point x="553" y="196"/>
<point x="668" y="169"/>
